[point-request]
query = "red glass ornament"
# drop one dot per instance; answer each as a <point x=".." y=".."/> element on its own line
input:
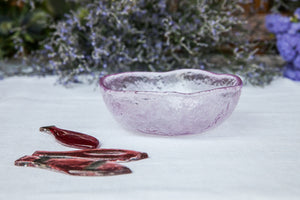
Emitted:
<point x="72" y="138"/>
<point x="74" y="166"/>
<point x="97" y="154"/>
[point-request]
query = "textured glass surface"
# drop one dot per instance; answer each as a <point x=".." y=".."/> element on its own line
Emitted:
<point x="185" y="101"/>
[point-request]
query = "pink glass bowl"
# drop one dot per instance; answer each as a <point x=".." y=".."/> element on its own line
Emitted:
<point x="185" y="101"/>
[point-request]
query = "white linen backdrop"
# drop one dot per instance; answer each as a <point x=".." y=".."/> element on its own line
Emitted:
<point x="255" y="154"/>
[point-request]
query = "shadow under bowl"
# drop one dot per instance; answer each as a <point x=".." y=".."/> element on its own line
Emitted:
<point x="178" y="102"/>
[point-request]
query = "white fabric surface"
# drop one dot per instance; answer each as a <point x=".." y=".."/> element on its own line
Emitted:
<point x="255" y="154"/>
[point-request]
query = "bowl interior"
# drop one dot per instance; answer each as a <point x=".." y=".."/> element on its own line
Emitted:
<point x="181" y="81"/>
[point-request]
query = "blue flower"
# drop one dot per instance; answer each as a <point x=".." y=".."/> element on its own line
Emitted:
<point x="291" y="73"/>
<point x="296" y="62"/>
<point x="297" y="13"/>
<point x="295" y="28"/>
<point x="276" y="23"/>
<point x="286" y="50"/>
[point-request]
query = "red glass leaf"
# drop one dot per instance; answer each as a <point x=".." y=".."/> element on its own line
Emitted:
<point x="27" y="161"/>
<point x="97" y="154"/>
<point x="74" y="166"/>
<point x="72" y="138"/>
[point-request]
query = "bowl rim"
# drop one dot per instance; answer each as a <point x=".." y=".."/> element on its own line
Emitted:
<point x="105" y="88"/>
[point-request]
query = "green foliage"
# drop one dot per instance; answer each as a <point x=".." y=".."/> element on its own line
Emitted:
<point x="24" y="23"/>
<point x="20" y="28"/>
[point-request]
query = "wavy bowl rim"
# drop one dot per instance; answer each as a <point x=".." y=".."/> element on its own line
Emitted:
<point x="105" y="88"/>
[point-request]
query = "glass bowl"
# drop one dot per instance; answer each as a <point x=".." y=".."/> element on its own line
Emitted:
<point x="178" y="102"/>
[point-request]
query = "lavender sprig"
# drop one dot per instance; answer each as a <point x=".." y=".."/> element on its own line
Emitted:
<point x="152" y="35"/>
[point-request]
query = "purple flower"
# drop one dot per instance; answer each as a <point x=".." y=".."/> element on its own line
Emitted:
<point x="296" y="62"/>
<point x="297" y="13"/>
<point x="48" y="47"/>
<point x="291" y="73"/>
<point x="295" y="28"/>
<point x="291" y="39"/>
<point x="276" y="23"/>
<point x="298" y="47"/>
<point x="162" y="4"/>
<point x="286" y="50"/>
<point x="52" y="63"/>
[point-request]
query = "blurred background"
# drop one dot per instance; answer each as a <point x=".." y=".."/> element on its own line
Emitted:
<point x="70" y="38"/>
